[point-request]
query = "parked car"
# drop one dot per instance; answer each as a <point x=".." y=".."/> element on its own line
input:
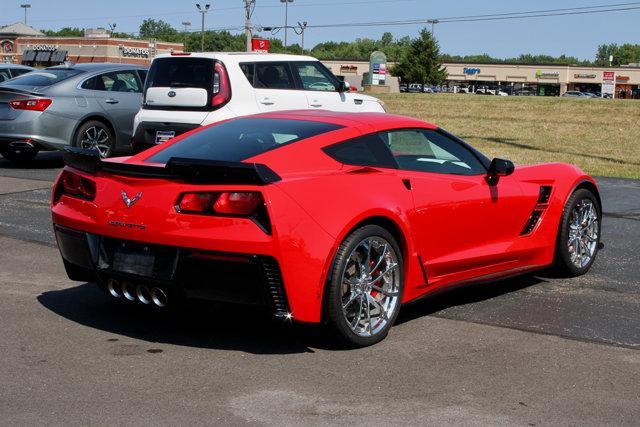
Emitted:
<point x="83" y="105"/>
<point x="321" y="217"/>
<point x="188" y="90"/>
<point x="414" y="88"/>
<point x="576" y="94"/>
<point x="427" y="89"/>
<point x="403" y="87"/>
<point x="9" y="71"/>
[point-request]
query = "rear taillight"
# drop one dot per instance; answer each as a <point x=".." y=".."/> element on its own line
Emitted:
<point x="74" y="185"/>
<point x="249" y="204"/>
<point x="39" y="104"/>
<point x="221" y="86"/>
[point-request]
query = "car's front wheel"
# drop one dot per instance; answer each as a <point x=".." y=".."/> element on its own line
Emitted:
<point x="579" y="234"/>
<point x="365" y="288"/>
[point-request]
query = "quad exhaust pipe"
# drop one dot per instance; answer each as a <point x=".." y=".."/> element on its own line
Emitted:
<point x="140" y="293"/>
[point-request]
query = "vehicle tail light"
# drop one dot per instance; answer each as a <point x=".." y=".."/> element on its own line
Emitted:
<point x="74" y="185"/>
<point x="221" y="86"/>
<point x="249" y="204"/>
<point x="39" y="104"/>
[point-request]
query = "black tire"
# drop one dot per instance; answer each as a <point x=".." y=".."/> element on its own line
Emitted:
<point x="563" y="264"/>
<point x="22" y="156"/>
<point x="96" y="130"/>
<point x="336" y="319"/>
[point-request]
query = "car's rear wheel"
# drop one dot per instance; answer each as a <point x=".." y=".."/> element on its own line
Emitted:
<point x="365" y="288"/>
<point x="18" y="156"/>
<point x="95" y="135"/>
<point x="579" y="235"/>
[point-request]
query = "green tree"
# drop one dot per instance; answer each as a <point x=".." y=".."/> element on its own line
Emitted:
<point x="66" y="32"/>
<point x="421" y="62"/>
<point x="158" y="29"/>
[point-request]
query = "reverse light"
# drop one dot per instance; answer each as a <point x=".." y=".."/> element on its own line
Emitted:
<point x="74" y="185"/>
<point x="39" y="104"/>
<point x="221" y="86"/>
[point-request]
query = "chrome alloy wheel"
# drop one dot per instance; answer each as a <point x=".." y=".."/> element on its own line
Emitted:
<point x="370" y="286"/>
<point x="96" y="138"/>
<point x="582" y="240"/>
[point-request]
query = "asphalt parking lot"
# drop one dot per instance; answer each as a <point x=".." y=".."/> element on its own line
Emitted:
<point x="534" y="350"/>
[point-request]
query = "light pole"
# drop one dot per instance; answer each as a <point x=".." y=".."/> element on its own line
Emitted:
<point x="202" y="12"/>
<point x="112" y="27"/>
<point x="433" y="22"/>
<point x="303" y="26"/>
<point x="286" y="20"/>
<point x="186" y="24"/>
<point x="26" y="6"/>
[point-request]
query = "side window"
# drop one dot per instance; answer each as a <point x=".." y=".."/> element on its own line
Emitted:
<point x="119" y="81"/>
<point x="15" y="72"/>
<point x="367" y="150"/>
<point x="89" y="84"/>
<point x="314" y="76"/>
<point x="249" y="71"/>
<point x="4" y="75"/>
<point x="271" y="75"/>
<point x="431" y="151"/>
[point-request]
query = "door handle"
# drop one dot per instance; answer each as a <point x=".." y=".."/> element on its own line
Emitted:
<point x="315" y="103"/>
<point x="266" y="101"/>
<point x="111" y="101"/>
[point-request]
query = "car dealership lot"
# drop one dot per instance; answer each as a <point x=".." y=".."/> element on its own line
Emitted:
<point x="531" y="350"/>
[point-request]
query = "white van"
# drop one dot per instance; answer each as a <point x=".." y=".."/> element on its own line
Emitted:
<point x="187" y="90"/>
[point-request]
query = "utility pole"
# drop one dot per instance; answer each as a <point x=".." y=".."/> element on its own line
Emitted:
<point x="186" y="24"/>
<point x="26" y="6"/>
<point x="112" y="27"/>
<point x="202" y="11"/>
<point x="249" y="6"/>
<point x="303" y="26"/>
<point x="433" y="22"/>
<point x="286" y="20"/>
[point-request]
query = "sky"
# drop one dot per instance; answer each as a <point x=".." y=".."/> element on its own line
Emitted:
<point x="577" y="35"/>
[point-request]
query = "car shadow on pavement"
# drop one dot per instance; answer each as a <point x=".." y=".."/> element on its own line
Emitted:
<point x="231" y="327"/>
<point x="193" y="324"/>
<point x="467" y="294"/>
<point x="44" y="160"/>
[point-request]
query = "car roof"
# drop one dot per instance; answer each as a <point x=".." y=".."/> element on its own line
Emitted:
<point x="97" y="66"/>
<point x="242" y="56"/>
<point x="374" y="121"/>
<point x="8" y="65"/>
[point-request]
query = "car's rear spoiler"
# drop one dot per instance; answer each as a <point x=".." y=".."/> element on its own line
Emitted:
<point x="189" y="170"/>
<point x="19" y="91"/>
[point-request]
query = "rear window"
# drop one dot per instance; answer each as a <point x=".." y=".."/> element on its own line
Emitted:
<point x="181" y="72"/>
<point x="239" y="139"/>
<point x="45" y="77"/>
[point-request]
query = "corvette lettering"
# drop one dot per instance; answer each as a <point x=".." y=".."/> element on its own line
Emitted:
<point x="127" y="225"/>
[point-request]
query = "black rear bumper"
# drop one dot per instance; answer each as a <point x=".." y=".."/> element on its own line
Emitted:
<point x="145" y="136"/>
<point x="185" y="273"/>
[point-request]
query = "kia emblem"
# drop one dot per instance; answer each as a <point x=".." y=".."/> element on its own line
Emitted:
<point x="171" y="94"/>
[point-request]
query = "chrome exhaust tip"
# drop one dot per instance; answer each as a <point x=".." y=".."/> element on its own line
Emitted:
<point x="159" y="297"/>
<point x="129" y="291"/>
<point x="114" y="288"/>
<point x="143" y="294"/>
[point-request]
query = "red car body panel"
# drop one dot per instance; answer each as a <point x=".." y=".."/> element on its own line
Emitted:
<point x="453" y="229"/>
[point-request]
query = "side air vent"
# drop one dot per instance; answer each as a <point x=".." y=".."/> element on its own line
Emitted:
<point x="531" y="222"/>
<point x="275" y="288"/>
<point x="545" y="194"/>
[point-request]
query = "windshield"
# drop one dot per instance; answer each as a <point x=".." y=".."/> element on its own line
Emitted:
<point x="181" y="72"/>
<point x="45" y="77"/>
<point x="239" y="139"/>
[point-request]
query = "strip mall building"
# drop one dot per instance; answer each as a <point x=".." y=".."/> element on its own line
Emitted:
<point x="548" y="80"/>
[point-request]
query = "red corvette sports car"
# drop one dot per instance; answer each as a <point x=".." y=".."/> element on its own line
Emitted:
<point x="321" y="217"/>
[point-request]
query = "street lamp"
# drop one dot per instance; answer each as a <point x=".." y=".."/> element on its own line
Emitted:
<point x="202" y="11"/>
<point x="303" y="26"/>
<point x="186" y="24"/>
<point x="112" y="27"/>
<point x="26" y="6"/>
<point x="286" y="20"/>
<point x="433" y="22"/>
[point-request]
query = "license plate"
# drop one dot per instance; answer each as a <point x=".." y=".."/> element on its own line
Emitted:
<point x="163" y="136"/>
<point x="140" y="264"/>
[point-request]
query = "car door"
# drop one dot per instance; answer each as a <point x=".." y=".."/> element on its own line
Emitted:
<point x="321" y="88"/>
<point x="465" y="227"/>
<point x="275" y="88"/>
<point x="119" y="94"/>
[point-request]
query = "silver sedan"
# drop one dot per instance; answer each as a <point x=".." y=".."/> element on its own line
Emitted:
<point x="83" y="105"/>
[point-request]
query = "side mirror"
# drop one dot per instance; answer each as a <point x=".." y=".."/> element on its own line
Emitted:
<point x="499" y="167"/>
<point x="343" y="87"/>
